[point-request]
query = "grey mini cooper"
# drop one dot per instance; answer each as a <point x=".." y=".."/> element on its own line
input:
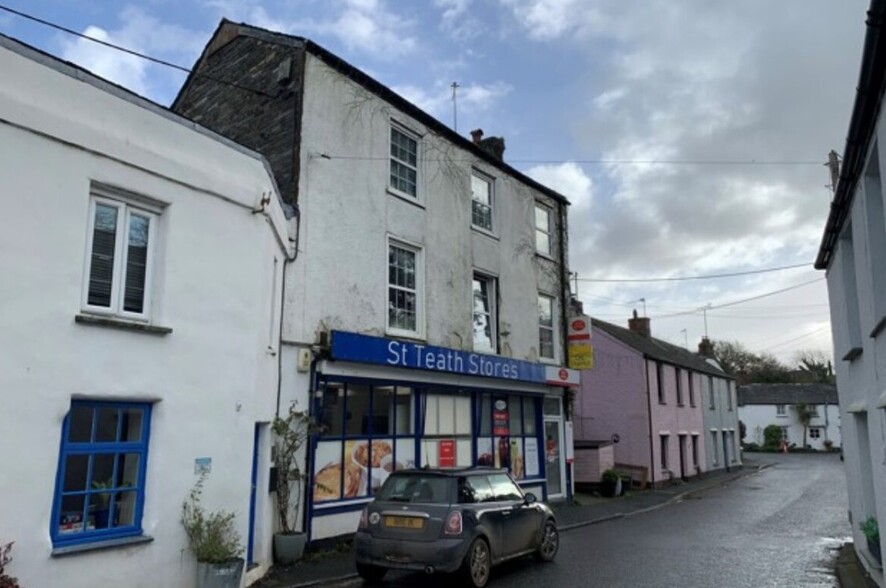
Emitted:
<point x="464" y="520"/>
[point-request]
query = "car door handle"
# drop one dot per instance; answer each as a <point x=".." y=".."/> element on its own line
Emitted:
<point x="506" y="513"/>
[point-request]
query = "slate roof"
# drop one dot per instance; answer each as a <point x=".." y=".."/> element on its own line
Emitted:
<point x="660" y="350"/>
<point x="787" y="394"/>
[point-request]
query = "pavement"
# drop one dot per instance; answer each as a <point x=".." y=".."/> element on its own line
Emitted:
<point x="334" y="565"/>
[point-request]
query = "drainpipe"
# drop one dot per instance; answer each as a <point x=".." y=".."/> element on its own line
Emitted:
<point x="564" y="326"/>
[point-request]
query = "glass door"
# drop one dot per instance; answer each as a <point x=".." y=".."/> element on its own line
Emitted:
<point x="554" y="463"/>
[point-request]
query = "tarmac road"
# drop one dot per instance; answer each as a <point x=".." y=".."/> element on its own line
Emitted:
<point x="778" y="528"/>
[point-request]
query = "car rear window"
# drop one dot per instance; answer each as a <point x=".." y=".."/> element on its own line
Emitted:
<point x="417" y="488"/>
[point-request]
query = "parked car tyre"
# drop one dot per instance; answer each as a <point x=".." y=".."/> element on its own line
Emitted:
<point x="477" y="564"/>
<point x="550" y="543"/>
<point x="371" y="574"/>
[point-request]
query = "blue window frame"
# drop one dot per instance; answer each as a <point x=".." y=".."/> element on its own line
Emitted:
<point x="100" y="484"/>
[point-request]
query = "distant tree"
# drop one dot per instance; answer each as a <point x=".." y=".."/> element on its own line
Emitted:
<point x="814" y="366"/>
<point x="804" y="415"/>
<point x="748" y="367"/>
<point x="742" y="431"/>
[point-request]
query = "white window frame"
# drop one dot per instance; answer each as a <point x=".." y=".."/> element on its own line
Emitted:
<point x="419" y="287"/>
<point x="815" y="432"/>
<point x="126" y="207"/>
<point x="492" y="293"/>
<point x="715" y="449"/>
<point x="403" y="130"/>
<point x="813" y="411"/>
<point x="546" y="230"/>
<point x="490" y="182"/>
<point x="781" y="410"/>
<point x="553" y="328"/>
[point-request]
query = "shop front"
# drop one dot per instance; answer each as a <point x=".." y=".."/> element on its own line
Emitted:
<point x="383" y="404"/>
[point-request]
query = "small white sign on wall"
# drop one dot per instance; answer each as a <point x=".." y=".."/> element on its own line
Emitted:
<point x="203" y="465"/>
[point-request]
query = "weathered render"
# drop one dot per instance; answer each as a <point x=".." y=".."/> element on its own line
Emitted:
<point x="853" y="252"/>
<point x="199" y="363"/>
<point x="327" y="128"/>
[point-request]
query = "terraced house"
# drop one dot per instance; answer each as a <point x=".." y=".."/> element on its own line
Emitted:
<point x="425" y="316"/>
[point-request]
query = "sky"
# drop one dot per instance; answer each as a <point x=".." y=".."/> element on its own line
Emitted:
<point x="689" y="135"/>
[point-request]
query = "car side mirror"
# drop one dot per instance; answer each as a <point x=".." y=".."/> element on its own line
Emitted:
<point x="529" y="498"/>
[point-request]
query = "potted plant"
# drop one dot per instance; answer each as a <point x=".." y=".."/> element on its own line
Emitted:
<point x="291" y="434"/>
<point x="102" y="508"/>
<point x="214" y="541"/>
<point x="6" y="581"/>
<point x="871" y="531"/>
<point x="610" y="483"/>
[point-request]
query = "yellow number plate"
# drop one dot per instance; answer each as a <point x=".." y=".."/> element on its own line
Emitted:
<point x="404" y="522"/>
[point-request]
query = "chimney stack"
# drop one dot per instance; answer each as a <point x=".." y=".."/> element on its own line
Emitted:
<point x="477" y="136"/>
<point x="494" y="146"/>
<point x="640" y="325"/>
<point x="706" y="348"/>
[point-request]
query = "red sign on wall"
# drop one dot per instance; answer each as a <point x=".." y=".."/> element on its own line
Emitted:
<point x="446" y="453"/>
<point x="500" y="418"/>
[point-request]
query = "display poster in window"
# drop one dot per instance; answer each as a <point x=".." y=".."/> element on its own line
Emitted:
<point x="484" y="452"/>
<point x="363" y="466"/>
<point x="530" y="457"/>
<point x="503" y="453"/>
<point x="446" y="453"/>
<point x="516" y="459"/>
<point x="500" y="418"/>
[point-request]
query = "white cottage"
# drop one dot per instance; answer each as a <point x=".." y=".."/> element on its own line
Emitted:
<point x="426" y="311"/>
<point x="142" y="259"/>
<point x="762" y="405"/>
<point x="853" y="252"/>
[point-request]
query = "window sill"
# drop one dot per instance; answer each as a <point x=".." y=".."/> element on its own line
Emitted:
<point x="484" y="232"/>
<point x="852" y="354"/>
<point x="406" y="197"/>
<point x="99" y="545"/>
<point x="881" y="324"/>
<point x="543" y="255"/>
<point x="408" y="335"/>
<point x="116" y="323"/>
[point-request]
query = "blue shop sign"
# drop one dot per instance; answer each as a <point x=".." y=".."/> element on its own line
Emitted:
<point x="394" y="353"/>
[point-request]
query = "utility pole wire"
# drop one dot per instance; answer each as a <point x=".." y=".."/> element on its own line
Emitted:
<point x="706" y="277"/>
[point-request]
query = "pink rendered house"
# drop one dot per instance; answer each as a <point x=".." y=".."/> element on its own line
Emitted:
<point x="645" y="398"/>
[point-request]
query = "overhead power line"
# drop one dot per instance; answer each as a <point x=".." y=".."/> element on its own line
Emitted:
<point x="742" y="301"/>
<point x="705" y="277"/>
<point x="128" y="51"/>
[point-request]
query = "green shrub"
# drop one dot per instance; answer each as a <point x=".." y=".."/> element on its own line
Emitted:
<point x="212" y="536"/>
<point x="871" y="529"/>
<point x="6" y="581"/>
<point x="771" y="436"/>
<point x="610" y="476"/>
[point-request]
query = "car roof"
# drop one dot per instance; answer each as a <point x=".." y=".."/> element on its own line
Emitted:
<point x="451" y="472"/>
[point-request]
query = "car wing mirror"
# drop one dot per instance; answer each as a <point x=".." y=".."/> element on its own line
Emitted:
<point x="529" y="499"/>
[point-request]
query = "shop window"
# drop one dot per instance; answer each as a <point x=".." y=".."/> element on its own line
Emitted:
<point x="366" y="432"/>
<point x="509" y="434"/>
<point x="101" y="473"/>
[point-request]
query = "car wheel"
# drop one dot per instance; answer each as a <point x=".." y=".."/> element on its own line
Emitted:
<point x="550" y="542"/>
<point x="371" y="574"/>
<point x="477" y="563"/>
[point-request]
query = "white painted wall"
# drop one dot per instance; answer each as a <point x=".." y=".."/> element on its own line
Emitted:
<point x="757" y="417"/>
<point x="347" y="213"/>
<point x="210" y="380"/>
<point x="862" y="397"/>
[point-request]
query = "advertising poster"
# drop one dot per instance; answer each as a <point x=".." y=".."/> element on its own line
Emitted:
<point x="500" y="418"/>
<point x="516" y="460"/>
<point x="503" y="453"/>
<point x="361" y="470"/>
<point x="446" y="453"/>
<point x="530" y="457"/>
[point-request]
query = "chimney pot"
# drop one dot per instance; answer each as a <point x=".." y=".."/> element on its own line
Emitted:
<point x="477" y="136"/>
<point x="640" y="325"/>
<point x="706" y="348"/>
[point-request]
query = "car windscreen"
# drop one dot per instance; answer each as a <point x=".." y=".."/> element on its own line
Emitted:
<point x="416" y="488"/>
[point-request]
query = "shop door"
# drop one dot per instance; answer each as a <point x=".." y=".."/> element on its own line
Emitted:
<point x="554" y="459"/>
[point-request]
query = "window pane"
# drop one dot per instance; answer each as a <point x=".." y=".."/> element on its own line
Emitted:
<point x="541" y="219"/>
<point x="71" y="514"/>
<point x="101" y="268"/>
<point x="76" y="471"/>
<point x="545" y="311"/>
<point x="80" y="428"/>
<point x="100" y="509"/>
<point x="102" y="471"/>
<point x="127" y="470"/>
<point x="404" y="418"/>
<point x="124" y="507"/>
<point x="482" y="315"/>
<point x="486" y="415"/>
<point x="330" y="411"/>
<point x="504" y="489"/>
<point x="529" y="416"/>
<point x="136" y="263"/>
<point x="552" y="406"/>
<point x="383" y="410"/>
<point x="106" y="425"/>
<point x="358" y="417"/>
<point x="131" y="429"/>
<point x="515" y="423"/>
